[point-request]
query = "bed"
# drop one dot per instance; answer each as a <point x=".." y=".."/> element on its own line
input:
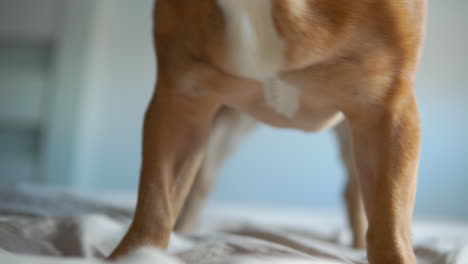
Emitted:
<point x="62" y="227"/>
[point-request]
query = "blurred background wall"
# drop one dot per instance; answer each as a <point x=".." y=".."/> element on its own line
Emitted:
<point x="75" y="78"/>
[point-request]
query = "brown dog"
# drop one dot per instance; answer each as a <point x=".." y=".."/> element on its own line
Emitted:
<point x="304" y="64"/>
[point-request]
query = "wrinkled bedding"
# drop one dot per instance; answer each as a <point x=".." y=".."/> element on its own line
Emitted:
<point x="53" y="227"/>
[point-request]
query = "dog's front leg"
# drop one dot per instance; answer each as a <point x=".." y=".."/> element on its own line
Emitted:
<point x="386" y="140"/>
<point x="176" y="127"/>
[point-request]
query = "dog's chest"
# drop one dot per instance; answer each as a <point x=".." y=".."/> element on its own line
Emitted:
<point x="256" y="50"/>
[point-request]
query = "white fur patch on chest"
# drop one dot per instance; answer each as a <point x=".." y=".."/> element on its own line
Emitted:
<point x="257" y="50"/>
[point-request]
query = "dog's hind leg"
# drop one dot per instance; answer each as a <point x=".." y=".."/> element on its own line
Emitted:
<point x="229" y="128"/>
<point x="352" y="194"/>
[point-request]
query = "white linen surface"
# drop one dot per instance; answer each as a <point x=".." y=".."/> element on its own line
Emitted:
<point x="56" y="228"/>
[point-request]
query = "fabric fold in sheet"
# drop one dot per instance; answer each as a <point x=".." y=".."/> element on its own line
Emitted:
<point x="56" y="228"/>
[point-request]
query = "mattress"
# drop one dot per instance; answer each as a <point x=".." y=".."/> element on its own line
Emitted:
<point x="44" y="226"/>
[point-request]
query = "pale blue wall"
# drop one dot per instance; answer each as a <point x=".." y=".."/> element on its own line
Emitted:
<point x="442" y="89"/>
<point x="272" y="167"/>
<point x="284" y="167"/>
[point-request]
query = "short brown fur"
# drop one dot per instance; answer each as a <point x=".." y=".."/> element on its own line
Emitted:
<point x="358" y="58"/>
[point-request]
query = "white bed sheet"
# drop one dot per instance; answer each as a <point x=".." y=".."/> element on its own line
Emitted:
<point x="48" y="227"/>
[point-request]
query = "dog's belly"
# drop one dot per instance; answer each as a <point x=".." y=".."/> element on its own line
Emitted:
<point x="314" y="113"/>
<point x="313" y="122"/>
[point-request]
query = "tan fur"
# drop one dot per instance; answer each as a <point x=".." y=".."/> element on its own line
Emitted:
<point x="351" y="58"/>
